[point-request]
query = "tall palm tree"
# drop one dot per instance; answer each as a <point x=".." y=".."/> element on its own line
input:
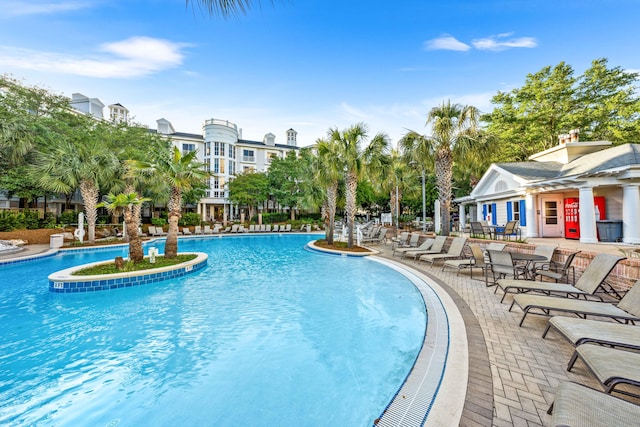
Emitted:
<point x="395" y="177"/>
<point x="180" y="172"/>
<point x="454" y="131"/>
<point x="83" y="164"/>
<point x="126" y="203"/>
<point x="327" y="174"/>
<point x="355" y="158"/>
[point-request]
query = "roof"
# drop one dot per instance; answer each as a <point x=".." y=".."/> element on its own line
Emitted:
<point x="532" y="171"/>
<point x="284" y="146"/>
<point x="621" y="156"/>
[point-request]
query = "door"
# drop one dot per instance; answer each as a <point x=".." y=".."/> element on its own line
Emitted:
<point x="551" y="215"/>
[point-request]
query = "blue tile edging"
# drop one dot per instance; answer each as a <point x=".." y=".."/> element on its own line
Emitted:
<point x="63" y="281"/>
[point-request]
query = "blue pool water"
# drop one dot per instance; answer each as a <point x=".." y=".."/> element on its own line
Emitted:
<point x="267" y="334"/>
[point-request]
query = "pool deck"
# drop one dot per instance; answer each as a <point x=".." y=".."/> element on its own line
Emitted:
<point x="512" y="373"/>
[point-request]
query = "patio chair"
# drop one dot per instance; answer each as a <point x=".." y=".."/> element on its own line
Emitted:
<point x="216" y="229"/>
<point x="207" y="230"/>
<point x="510" y="229"/>
<point x="592" y="278"/>
<point x="198" y="229"/>
<point x="400" y="240"/>
<point x="455" y="251"/>
<point x="477" y="230"/>
<point x="234" y="228"/>
<point x="252" y="228"/>
<point x="186" y="231"/>
<point x="436" y="247"/>
<point x="268" y="228"/>
<point x="578" y="405"/>
<point x="276" y="227"/>
<point x="287" y="228"/>
<point x="500" y="265"/>
<point x="410" y="242"/>
<point x="556" y="270"/>
<point x="611" y="366"/>
<point x="424" y="246"/>
<point x="583" y="331"/>
<point x="627" y="310"/>
<point x="475" y="261"/>
<point x="227" y="229"/>
<point x="546" y="251"/>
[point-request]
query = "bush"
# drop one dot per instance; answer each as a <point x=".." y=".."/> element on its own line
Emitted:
<point x="11" y="220"/>
<point x="158" y="222"/>
<point x="68" y="217"/>
<point x="190" y="218"/>
<point x="31" y="219"/>
<point x="49" y="220"/>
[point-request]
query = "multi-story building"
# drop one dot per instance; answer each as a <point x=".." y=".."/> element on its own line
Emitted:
<point x="220" y="147"/>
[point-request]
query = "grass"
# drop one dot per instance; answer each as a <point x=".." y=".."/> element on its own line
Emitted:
<point x="110" y="268"/>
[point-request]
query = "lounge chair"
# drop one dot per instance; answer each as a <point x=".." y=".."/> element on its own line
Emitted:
<point x="216" y="229"/>
<point x="424" y="247"/>
<point x="186" y="231"/>
<point x="493" y="246"/>
<point x="500" y="265"/>
<point x="475" y="261"/>
<point x="577" y="405"/>
<point x="627" y="310"/>
<point x="436" y="248"/>
<point x="227" y="229"/>
<point x="378" y="240"/>
<point x="400" y="240"/>
<point x="198" y="229"/>
<point x="276" y="228"/>
<point x="583" y="331"/>
<point x="557" y="271"/>
<point x="591" y="279"/>
<point x="611" y="366"/>
<point x="287" y="228"/>
<point x="252" y="228"/>
<point x="234" y="228"/>
<point x="207" y="230"/>
<point x="410" y="242"/>
<point x="455" y="251"/>
<point x="268" y="228"/>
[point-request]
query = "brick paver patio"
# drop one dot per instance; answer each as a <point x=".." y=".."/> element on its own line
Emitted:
<point x="513" y="372"/>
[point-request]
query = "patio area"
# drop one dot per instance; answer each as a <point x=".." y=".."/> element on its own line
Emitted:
<point x="513" y="372"/>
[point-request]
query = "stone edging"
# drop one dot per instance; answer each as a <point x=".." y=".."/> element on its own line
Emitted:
<point x="336" y="252"/>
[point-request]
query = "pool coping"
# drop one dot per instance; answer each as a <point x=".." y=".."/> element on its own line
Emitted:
<point x="338" y="252"/>
<point x="446" y="407"/>
<point x="63" y="281"/>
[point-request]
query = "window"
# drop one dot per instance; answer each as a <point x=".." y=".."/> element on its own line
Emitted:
<point x="222" y="149"/>
<point x="232" y="167"/>
<point x="216" y="183"/>
<point x="216" y="165"/>
<point x="515" y="209"/>
<point x="216" y="148"/>
<point x="187" y="148"/>
<point x="207" y="150"/>
<point x="248" y="156"/>
<point x="231" y="152"/>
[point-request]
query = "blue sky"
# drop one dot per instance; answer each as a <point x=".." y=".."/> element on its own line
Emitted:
<point x="306" y="64"/>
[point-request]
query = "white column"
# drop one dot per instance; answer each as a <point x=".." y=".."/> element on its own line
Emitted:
<point x="479" y="212"/>
<point x="437" y="216"/>
<point x="587" y="214"/>
<point x="199" y="207"/>
<point x="530" y="215"/>
<point x="631" y="213"/>
<point x="461" y="216"/>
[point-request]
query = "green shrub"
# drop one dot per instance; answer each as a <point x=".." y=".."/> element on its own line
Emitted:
<point x="68" y="217"/>
<point x="190" y="218"/>
<point x="158" y="222"/>
<point x="49" y="220"/>
<point x="31" y="219"/>
<point x="11" y="220"/>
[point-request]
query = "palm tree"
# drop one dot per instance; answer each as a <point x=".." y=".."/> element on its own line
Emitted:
<point x="395" y="177"/>
<point x="180" y="172"/>
<point x="82" y="163"/>
<point x="327" y="174"/>
<point x="225" y="8"/>
<point x="355" y="159"/>
<point x="126" y="203"/>
<point x="454" y="132"/>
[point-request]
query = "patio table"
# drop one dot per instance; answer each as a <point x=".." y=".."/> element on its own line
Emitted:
<point x="528" y="259"/>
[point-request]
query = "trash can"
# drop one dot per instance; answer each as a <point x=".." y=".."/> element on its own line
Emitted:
<point x="56" y="241"/>
<point x="609" y="230"/>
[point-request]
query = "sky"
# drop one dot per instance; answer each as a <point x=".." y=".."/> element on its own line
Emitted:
<point x="309" y="65"/>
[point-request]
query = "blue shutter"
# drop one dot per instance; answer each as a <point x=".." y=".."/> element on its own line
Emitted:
<point x="523" y="213"/>
<point x="509" y="211"/>
<point x="494" y="219"/>
<point x="484" y="212"/>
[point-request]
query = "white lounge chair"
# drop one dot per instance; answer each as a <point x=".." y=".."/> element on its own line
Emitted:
<point x="252" y="228"/>
<point x="186" y="231"/>
<point x="276" y="227"/>
<point x="207" y="229"/>
<point x="198" y="229"/>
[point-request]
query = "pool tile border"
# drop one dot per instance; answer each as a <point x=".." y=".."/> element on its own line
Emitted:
<point x="64" y="282"/>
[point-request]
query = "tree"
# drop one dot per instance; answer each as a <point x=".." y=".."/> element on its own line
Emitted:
<point x="225" y="8"/>
<point x="602" y="103"/>
<point x="454" y="131"/>
<point x="80" y="161"/>
<point x="249" y="189"/>
<point x="181" y="173"/>
<point x="285" y="176"/>
<point x="125" y="203"/>
<point x="327" y="172"/>
<point x="355" y="158"/>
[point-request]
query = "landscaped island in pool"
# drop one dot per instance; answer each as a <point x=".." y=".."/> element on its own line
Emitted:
<point x="267" y="334"/>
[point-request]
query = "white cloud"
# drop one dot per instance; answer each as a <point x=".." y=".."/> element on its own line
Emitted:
<point x="501" y="42"/>
<point x="133" y="57"/>
<point x="446" y="42"/>
<point x="35" y="7"/>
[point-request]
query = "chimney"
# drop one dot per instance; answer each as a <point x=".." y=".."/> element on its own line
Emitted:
<point x="574" y="133"/>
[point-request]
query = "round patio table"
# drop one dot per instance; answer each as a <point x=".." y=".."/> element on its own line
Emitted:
<point x="528" y="259"/>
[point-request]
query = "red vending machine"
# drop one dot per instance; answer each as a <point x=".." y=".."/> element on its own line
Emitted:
<point x="572" y="215"/>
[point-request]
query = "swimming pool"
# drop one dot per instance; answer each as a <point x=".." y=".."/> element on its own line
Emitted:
<point x="267" y="334"/>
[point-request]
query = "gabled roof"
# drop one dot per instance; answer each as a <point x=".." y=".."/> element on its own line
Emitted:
<point x="613" y="158"/>
<point x="532" y="171"/>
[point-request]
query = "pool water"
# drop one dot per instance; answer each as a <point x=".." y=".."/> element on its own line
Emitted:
<point x="268" y="334"/>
